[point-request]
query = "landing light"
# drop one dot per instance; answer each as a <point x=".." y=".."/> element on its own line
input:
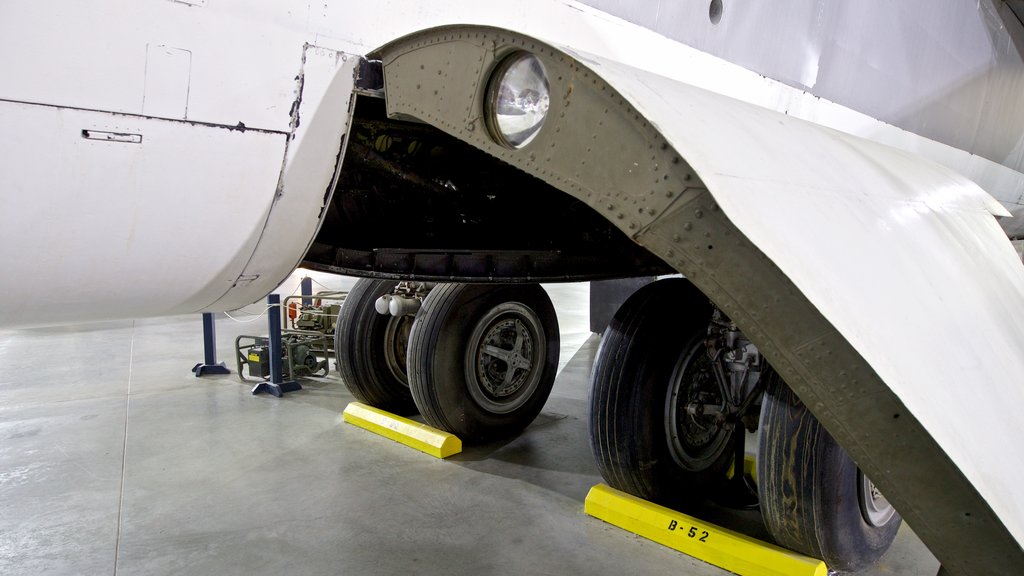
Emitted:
<point x="517" y="100"/>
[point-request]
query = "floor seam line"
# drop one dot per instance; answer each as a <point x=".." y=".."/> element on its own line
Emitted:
<point x="124" y="449"/>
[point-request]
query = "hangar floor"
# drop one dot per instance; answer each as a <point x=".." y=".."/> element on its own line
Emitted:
<point x="115" y="459"/>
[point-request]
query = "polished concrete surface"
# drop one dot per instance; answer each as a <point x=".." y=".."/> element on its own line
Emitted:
<point x="114" y="459"/>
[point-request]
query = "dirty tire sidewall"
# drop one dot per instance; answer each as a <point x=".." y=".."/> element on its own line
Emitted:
<point x="360" y="346"/>
<point x="437" y="358"/>
<point x="628" y="387"/>
<point x="810" y="490"/>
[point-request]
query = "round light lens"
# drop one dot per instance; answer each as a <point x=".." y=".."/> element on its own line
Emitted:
<point x="517" y="100"/>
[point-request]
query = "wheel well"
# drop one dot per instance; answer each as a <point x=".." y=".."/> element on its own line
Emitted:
<point x="414" y="202"/>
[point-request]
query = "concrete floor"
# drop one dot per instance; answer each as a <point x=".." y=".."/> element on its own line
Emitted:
<point x="116" y="460"/>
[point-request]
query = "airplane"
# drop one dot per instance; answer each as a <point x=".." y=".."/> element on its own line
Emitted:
<point x="832" y="187"/>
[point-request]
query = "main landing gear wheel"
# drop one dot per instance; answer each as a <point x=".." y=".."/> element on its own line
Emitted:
<point x="371" y="349"/>
<point x="652" y="379"/>
<point x="482" y="358"/>
<point x="813" y="498"/>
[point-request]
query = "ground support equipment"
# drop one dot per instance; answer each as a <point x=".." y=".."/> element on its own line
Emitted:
<point x="275" y="386"/>
<point x="210" y="364"/>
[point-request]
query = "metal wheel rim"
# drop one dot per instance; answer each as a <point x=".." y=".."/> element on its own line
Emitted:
<point x="874" y="506"/>
<point x="680" y="426"/>
<point x="396" y="344"/>
<point x="489" y="354"/>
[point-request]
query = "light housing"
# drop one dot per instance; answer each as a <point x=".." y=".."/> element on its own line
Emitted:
<point x="517" y="100"/>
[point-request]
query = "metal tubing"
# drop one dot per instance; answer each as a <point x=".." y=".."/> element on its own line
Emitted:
<point x="333" y="296"/>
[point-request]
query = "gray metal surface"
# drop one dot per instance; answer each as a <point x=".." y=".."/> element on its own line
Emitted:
<point x="945" y="69"/>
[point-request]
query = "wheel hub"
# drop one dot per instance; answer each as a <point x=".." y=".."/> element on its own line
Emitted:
<point x="505" y="359"/>
<point x="694" y="426"/>
<point x="396" y="343"/>
<point x="874" y="506"/>
<point x="504" y="353"/>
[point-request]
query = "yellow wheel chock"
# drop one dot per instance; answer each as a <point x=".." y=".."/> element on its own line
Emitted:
<point x="724" y="548"/>
<point x="402" y="430"/>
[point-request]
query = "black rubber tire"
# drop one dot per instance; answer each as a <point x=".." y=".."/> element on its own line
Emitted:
<point x="360" y="344"/>
<point x="442" y="372"/>
<point x="646" y="339"/>
<point x="810" y="488"/>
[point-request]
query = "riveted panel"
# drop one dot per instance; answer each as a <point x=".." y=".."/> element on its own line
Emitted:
<point x="571" y="150"/>
<point x="597" y="147"/>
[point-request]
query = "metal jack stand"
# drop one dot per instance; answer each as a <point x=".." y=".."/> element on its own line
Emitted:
<point x="275" y="386"/>
<point x="210" y="366"/>
<point x="306" y="286"/>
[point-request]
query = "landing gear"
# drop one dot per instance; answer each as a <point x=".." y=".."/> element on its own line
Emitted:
<point x="674" y="385"/>
<point x="697" y="437"/>
<point x="482" y="358"/>
<point x="813" y="497"/>
<point x="476" y="360"/>
<point x="657" y="414"/>
<point x="371" y="349"/>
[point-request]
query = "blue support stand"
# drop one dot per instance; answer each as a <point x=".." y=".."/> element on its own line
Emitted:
<point x="275" y="386"/>
<point x="210" y="364"/>
<point x="307" y="290"/>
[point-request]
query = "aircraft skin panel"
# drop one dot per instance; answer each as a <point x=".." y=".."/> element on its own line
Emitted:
<point x="313" y="160"/>
<point x="102" y="55"/>
<point x="235" y="63"/>
<point x="952" y="69"/>
<point x="596" y="32"/>
<point x="243" y="59"/>
<point x="115" y="216"/>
